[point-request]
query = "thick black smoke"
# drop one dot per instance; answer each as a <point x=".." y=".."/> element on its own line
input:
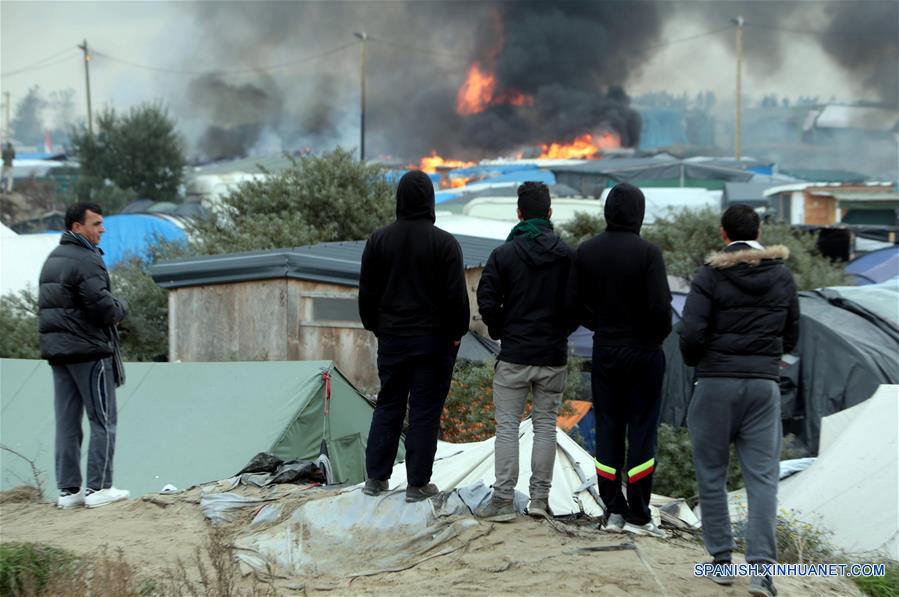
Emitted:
<point x="573" y="59"/>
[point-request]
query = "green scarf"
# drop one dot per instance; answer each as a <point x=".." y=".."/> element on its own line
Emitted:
<point x="529" y="228"/>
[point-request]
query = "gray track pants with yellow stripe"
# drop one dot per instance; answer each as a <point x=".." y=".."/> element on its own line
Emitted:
<point x="85" y="387"/>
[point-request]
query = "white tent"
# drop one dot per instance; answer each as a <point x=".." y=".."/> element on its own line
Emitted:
<point x="464" y="465"/>
<point x="21" y="258"/>
<point x="852" y="489"/>
<point x="471" y="226"/>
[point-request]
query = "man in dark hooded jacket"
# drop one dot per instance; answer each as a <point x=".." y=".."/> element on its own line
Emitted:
<point x="77" y="314"/>
<point x="741" y="316"/>
<point x="522" y="297"/>
<point x="620" y="291"/>
<point x="413" y="296"/>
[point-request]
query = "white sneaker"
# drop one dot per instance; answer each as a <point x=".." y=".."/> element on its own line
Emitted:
<point x="615" y="523"/>
<point x="68" y="501"/>
<point x="649" y="529"/>
<point x="105" y="497"/>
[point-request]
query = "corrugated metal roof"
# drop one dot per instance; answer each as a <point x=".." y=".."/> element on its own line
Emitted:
<point x="333" y="263"/>
<point x="747" y="192"/>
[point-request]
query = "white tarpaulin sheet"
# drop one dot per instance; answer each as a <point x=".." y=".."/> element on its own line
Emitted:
<point x="463" y="465"/>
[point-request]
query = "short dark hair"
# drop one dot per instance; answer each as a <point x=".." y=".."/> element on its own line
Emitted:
<point x="533" y="200"/>
<point x="77" y="211"/>
<point x="740" y="222"/>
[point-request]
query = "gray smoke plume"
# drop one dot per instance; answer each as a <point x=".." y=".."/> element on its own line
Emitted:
<point x="571" y="61"/>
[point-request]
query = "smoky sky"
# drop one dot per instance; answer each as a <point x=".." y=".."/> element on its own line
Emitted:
<point x="573" y="59"/>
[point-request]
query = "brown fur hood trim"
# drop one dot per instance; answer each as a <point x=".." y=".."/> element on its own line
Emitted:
<point x="724" y="260"/>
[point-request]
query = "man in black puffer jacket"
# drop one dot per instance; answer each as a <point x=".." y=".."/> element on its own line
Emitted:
<point x="621" y="292"/>
<point x="77" y="315"/>
<point x="741" y="316"/>
<point x="522" y="297"/>
<point x="413" y="296"/>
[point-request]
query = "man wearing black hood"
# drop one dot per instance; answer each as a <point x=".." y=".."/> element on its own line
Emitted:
<point x="412" y="295"/>
<point x="741" y="316"/>
<point x="620" y="291"/>
<point x="522" y="297"/>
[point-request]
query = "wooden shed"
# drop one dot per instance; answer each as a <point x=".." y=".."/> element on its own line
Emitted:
<point x="284" y="305"/>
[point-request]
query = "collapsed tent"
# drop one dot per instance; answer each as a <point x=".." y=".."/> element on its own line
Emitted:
<point x="187" y="423"/>
<point x="462" y="465"/>
<point x="845" y="352"/>
<point x="856" y="466"/>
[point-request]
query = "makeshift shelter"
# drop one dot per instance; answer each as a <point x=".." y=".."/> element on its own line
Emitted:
<point x="311" y="309"/>
<point x="188" y="423"/>
<point x="874" y="267"/>
<point x="462" y="465"/>
<point x="844" y="353"/>
<point x="21" y="258"/>
<point x="856" y="465"/>
<point x="132" y="235"/>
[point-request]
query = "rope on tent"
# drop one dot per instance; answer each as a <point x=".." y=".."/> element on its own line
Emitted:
<point x="326" y="376"/>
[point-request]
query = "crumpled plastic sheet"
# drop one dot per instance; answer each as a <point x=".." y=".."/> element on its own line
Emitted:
<point x="352" y="534"/>
<point x="267" y="514"/>
<point x="796" y="465"/>
<point x="478" y="496"/>
<point x="220" y="507"/>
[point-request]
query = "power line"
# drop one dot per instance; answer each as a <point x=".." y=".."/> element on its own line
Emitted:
<point x="226" y="71"/>
<point x="818" y="32"/>
<point x="418" y="48"/>
<point x="691" y="38"/>
<point x="38" y="65"/>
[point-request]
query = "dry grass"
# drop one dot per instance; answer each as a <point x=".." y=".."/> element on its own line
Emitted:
<point x="22" y="494"/>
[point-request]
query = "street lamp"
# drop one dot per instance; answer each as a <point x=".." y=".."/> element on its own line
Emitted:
<point x="363" y="37"/>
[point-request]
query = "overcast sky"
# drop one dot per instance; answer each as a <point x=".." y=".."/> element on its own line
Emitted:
<point x="178" y="35"/>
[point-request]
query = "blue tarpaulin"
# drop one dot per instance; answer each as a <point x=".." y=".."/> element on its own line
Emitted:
<point x="133" y="234"/>
<point x="876" y="266"/>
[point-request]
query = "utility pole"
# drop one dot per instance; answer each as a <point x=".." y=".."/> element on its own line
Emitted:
<point x="738" y="128"/>
<point x="364" y="37"/>
<point x="87" y="85"/>
<point x="6" y="132"/>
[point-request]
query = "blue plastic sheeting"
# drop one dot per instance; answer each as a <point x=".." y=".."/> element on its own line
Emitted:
<point x="544" y="176"/>
<point x="394" y="176"/>
<point x="441" y="196"/>
<point x="874" y="267"/>
<point x="492" y="170"/>
<point x="131" y="235"/>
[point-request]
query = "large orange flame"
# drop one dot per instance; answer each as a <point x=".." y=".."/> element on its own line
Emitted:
<point x="584" y="147"/>
<point x="476" y="92"/>
<point x="431" y="162"/>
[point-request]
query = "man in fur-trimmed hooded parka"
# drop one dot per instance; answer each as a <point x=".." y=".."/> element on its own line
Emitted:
<point x="741" y="316"/>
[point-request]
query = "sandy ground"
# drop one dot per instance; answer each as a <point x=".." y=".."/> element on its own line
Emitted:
<point x="525" y="556"/>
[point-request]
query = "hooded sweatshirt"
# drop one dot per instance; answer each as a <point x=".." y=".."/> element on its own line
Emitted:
<point x="412" y="281"/>
<point x="742" y="314"/>
<point x="619" y="286"/>
<point x="522" y="296"/>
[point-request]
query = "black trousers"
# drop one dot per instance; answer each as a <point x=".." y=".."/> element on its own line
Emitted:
<point x="627" y="397"/>
<point x="416" y="371"/>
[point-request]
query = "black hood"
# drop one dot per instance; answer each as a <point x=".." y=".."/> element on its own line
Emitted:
<point x="415" y="197"/>
<point x="544" y="250"/>
<point x="625" y="207"/>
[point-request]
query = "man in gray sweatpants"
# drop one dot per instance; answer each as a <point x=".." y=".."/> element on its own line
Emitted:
<point x="77" y="315"/>
<point x="741" y="316"/>
<point x="522" y="299"/>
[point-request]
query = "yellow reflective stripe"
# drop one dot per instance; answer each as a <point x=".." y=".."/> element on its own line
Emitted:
<point x="604" y="468"/>
<point x="642" y="467"/>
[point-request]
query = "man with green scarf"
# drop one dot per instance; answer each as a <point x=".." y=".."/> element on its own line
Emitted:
<point x="522" y="300"/>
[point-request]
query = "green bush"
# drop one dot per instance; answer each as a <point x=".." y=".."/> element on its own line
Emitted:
<point x="26" y="568"/>
<point x="332" y="197"/>
<point x="880" y="586"/>
<point x="18" y="320"/>
<point x="468" y="414"/>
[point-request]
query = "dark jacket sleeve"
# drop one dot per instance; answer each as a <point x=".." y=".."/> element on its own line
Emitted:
<point x="370" y="288"/>
<point x="659" y="295"/>
<point x="491" y="297"/>
<point x="98" y="302"/>
<point x="791" y="330"/>
<point x="579" y="311"/>
<point x="457" y="307"/>
<point x="694" y="329"/>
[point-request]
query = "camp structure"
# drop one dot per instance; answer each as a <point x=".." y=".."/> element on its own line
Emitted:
<point x="188" y="423"/>
<point x="845" y="352"/>
<point x="875" y="267"/>
<point x="285" y="304"/>
<point x="856" y="464"/>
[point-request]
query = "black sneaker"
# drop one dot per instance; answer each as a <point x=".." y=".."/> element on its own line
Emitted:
<point x="374" y="487"/>
<point x="417" y="494"/>
<point x="721" y="578"/>
<point x="762" y="586"/>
